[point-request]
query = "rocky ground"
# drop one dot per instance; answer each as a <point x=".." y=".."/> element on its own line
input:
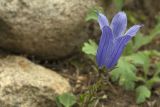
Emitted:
<point x="39" y="52"/>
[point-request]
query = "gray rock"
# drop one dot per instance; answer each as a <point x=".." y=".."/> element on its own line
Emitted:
<point x="25" y="84"/>
<point x="45" y="28"/>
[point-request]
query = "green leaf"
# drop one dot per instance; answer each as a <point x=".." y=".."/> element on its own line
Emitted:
<point x="152" y="81"/>
<point x="58" y="104"/>
<point x="90" y="48"/>
<point x="153" y="53"/>
<point x="92" y="14"/>
<point x="141" y="40"/>
<point x="157" y="73"/>
<point x="125" y="74"/>
<point x="67" y="99"/>
<point x="140" y="58"/>
<point x="142" y="93"/>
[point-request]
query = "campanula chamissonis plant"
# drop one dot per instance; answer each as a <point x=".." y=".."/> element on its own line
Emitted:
<point x="113" y="39"/>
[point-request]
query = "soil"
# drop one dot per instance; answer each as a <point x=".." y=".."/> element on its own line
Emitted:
<point x="82" y="76"/>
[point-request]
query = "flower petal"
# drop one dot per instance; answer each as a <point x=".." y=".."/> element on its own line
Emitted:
<point x="133" y="30"/>
<point x="119" y="24"/>
<point x="119" y="46"/>
<point x="104" y="45"/>
<point x="103" y="21"/>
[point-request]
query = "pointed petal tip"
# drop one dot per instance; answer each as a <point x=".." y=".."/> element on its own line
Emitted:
<point x="139" y="25"/>
<point x="102" y="19"/>
<point x="101" y="15"/>
<point x="133" y="30"/>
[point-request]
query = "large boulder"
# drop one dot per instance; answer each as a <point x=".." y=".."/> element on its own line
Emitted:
<point x="45" y="28"/>
<point x="24" y="84"/>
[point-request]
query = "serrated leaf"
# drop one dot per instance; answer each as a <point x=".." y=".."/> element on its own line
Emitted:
<point x="92" y="14"/>
<point x="67" y="99"/>
<point x="140" y="58"/>
<point x="142" y="93"/>
<point x="125" y="74"/>
<point x="90" y="48"/>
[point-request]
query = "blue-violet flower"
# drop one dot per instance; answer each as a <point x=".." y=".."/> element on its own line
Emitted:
<point x="113" y="39"/>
